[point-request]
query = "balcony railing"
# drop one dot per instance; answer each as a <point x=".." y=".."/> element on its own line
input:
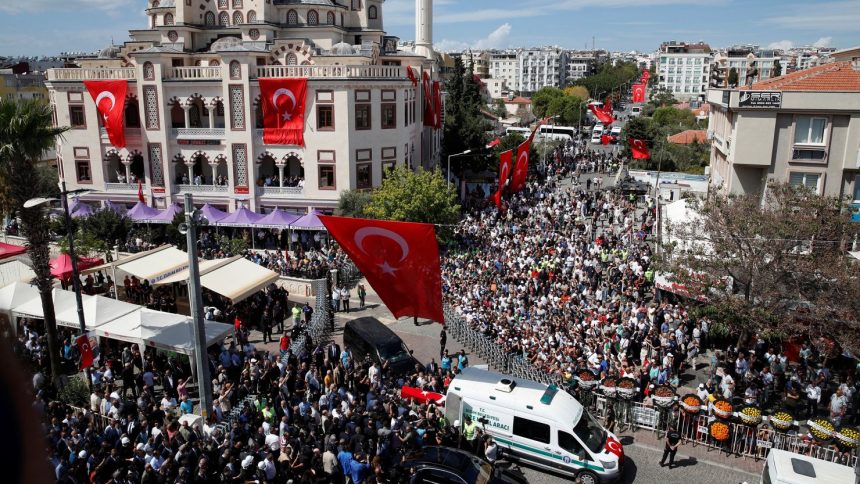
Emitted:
<point x="331" y="71"/>
<point x="280" y="191"/>
<point x="192" y="73"/>
<point x="202" y="188"/>
<point x="120" y="187"/>
<point x="132" y="135"/>
<point x="199" y="133"/>
<point x="77" y="74"/>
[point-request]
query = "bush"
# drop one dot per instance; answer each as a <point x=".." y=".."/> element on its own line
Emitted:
<point x="75" y="392"/>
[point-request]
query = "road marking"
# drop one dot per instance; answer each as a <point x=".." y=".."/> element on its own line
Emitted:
<point x="698" y="461"/>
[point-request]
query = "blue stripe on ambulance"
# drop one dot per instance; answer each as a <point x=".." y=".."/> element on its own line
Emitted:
<point x="511" y="443"/>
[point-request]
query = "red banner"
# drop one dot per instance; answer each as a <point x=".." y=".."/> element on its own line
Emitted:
<point x="411" y="76"/>
<point x="638" y="93"/>
<point x="140" y="192"/>
<point x="605" y="139"/>
<point x="399" y="259"/>
<point x="601" y="115"/>
<point x="419" y="395"/>
<point x="607" y="106"/>
<point x="429" y="116"/>
<point x="521" y="169"/>
<point x="86" y="351"/>
<point x="494" y="143"/>
<point x="283" y="110"/>
<point x="109" y="97"/>
<point x="437" y="105"/>
<point x="639" y="149"/>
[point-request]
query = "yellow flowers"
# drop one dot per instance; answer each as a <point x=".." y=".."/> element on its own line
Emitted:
<point x="782" y="420"/>
<point x="848" y="436"/>
<point x="750" y="415"/>
<point x="821" y="429"/>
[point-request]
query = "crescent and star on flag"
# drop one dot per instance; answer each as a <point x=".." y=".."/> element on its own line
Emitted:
<point x="365" y="232"/>
<point x="286" y="115"/>
<point x="109" y="96"/>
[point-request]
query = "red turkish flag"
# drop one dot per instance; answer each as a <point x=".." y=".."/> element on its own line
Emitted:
<point x="497" y="198"/>
<point x="646" y="74"/>
<point x="109" y="97"/>
<point x="419" y="395"/>
<point x="399" y="259"/>
<point x="411" y="76"/>
<point x="140" y="192"/>
<point x="429" y="115"/>
<point x="639" y="149"/>
<point x="494" y="143"/>
<point x="505" y="163"/>
<point x="607" y="106"/>
<point x="437" y="105"/>
<point x="638" y="93"/>
<point x="521" y="168"/>
<point x="605" y="139"/>
<point x="83" y="343"/>
<point x="283" y="110"/>
<point x="601" y="115"/>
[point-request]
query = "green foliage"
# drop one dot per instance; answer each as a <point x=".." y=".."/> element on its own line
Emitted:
<point x="499" y="109"/>
<point x="352" y="203"/>
<point x="577" y="91"/>
<point x="422" y="196"/>
<point x="659" y="98"/>
<point x="75" y="392"/>
<point x="509" y="142"/>
<point x="733" y="77"/>
<point x="172" y="233"/>
<point x="552" y="101"/>
<point x="233" y="246"/>
<point x="465" y="127"/>
<point x="107" y="226"/>
<point x="674" y="118"/>
<point x="608" y="78"/>
<point x="777" y="69"/>
<point x="665" y="156"/>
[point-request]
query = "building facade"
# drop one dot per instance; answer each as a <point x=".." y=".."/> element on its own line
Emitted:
<point x="684" y="69"/>
<point x="538" y="68"/>
<point x="504" y="66"/>
<point x="579" y="65"/>
<point x="193" y="117"/>
<point x="801" y="128"/>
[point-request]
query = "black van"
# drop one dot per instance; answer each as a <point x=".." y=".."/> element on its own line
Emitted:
<point x="368" y="337"/>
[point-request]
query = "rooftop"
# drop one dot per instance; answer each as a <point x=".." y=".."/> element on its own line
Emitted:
<point x="689" y="136"/>
<point x="832" y="77"/>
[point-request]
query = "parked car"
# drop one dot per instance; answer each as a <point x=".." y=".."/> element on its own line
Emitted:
<point x="369" y="338"/>
<point x="446" y="465"/>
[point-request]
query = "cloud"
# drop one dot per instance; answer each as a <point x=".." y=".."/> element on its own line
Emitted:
<point x="829" y="16"/>
<point x="823" y="42"/>
<point x="781" y="45"/>
<point x="448" y="45"/>
<point x="31" y="6"/>
<point x="497" y="39"/>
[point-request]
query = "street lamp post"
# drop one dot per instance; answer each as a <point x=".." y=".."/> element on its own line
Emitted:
<point x="76" y="278"/>
<point x="449" y="164"/>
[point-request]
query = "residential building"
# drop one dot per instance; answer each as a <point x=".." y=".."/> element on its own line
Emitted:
<point x="542" y="67"/>
<point x="751" y="64"/>
<point x="802" y="128"/>
<point x="496" y="88"/>
<point x="193" y="108"/>
<point x="684" y="69"/>
<point x="579" y="65"/>
<point x="505" y="66"/>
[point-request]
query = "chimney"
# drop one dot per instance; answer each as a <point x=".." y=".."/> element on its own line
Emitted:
<point x="424" y="28"/>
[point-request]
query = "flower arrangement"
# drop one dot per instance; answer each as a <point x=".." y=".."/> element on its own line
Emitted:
<point x="663" y="396"/>
<point x="848" y="437"/>
<point x="750" y="415"/>
<point x="723" y="408"/>
<point x="691" y="403"/>
<point x="609" y="387"/>
<point x="586" y="379"/>
<point x="821" y="429"/>
<point x="782" y="420"/>
<point x="719" y="431"/>
<point x="626" y="388"/>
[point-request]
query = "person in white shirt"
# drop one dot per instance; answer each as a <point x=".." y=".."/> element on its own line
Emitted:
<point x="272" y="440"/>
<point x="168" y="403"/>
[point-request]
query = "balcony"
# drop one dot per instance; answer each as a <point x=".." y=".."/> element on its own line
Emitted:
<point x="280" y="191"/>
<point x="331" y="72"/>
<point x="206" y="189"/>
<point x="121" y="187"/>
<point x="77" y="74"/>
<point x="192" y="73"/>
<point x="199" y="133"/>
<point x="132" y="136"/>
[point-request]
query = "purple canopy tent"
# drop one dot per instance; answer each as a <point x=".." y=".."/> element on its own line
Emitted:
<point x="166" y="216"/>
<point x="240" y="218"/>
<point x="141" y="212"/>
<point x="310" y="221"/>
<point x="278" y="219"/>
<point x="82" y="210"/>
<point x="212" y="214"/>
<point x="119" y="208"/>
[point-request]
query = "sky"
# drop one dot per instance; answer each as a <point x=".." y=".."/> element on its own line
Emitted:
<point x="48" y="27"/>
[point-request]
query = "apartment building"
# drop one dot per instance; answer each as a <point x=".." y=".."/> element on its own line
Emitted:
<point x="684" y="69"/>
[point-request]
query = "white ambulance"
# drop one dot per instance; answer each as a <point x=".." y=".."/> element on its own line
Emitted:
<point x="539" y="424"/>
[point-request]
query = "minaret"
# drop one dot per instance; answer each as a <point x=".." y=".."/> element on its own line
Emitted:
<point x="424" y="28"/>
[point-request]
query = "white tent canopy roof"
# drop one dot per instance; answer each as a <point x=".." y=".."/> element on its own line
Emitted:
<point x="17" y="294"/>
<point x="161" y="330"/>
<point x="63" y="301"/>
<point x="182" y="276"/>
<point x="152" y="265"/>
<point x="98" y="310"/>
<point x="17" y="269"/>
<point x="237" y="278"/>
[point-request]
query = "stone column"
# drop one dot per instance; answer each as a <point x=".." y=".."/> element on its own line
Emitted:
<point x="211" y="110"/>
<point x="190" y="167"/>
<point x="127" y="171"/>
<point x="214" y="166"/>
<point x="186" y="108"/>
<point x="281" y="175"/>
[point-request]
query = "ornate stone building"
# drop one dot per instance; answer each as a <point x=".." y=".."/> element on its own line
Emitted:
<point x="193" y="118"/>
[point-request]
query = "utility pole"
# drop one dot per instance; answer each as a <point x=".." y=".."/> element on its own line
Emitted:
<point x="195" y="296"/>
<point x="76" y="276"/>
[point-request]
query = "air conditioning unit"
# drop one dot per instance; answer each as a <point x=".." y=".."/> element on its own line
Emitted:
<point x="506" y="385"/>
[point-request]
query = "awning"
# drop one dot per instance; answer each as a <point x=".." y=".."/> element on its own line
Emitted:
<point x="9" y="250"/>
<point x="152" y="265"/>
<point x="17" y="294"/>
<point x="98" y="310"/>
<point x="182" y="275"/>
<point x="15" y="270"/>
<point x="237" y="278"/>
<point x="63" y="300"/>
<point x="156" y="329"/>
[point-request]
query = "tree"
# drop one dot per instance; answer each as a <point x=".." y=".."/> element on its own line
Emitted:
<point x="774" y="267"/>
<point x="409" y="196"/>
<point x="352" y="203"/>
<point x="661" y="97"/>
<point x="26" y="132"/>
<point x="733" y="77"/>
<point x="543" y="99"/>
<point x="777" y="68"/>
<point x="499" y="109"/>
<point x="577" y="91"/>
<point x="607" y="78"/>
<point x="107" y="227"/>
<point x="674" y="119"/>
<point x="465" y="127"/>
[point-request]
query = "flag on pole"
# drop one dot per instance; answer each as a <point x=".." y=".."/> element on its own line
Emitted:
<point x="638" y="93"/>
<point x="601" y="115"/>
<point x="109" y="97"/>
<point x="85" y="349"/>
<point x="639" y="149"/>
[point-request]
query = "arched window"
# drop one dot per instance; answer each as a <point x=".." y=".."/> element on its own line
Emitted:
<point x="371" y="12"/>
<point x="214" y="63"/>
<point x="237" y="3"/>
<point x="330" y="18"/>
<point x="313" y="17"/>
<point x="224" y="19"/>
<point x="148" y="71"/>
<point x="132" y="114"/>
<point x="235" y="70"/>
<point x="210" y="18"/>
<point x="237" y="18"/>
<point x="292" y="59"/>
<point x="222" y="3"/>
<point x="252" y="17"/>
<point x="168" y="19"/>
<point x="155" y="4"/>
<point x="292" y="18"/>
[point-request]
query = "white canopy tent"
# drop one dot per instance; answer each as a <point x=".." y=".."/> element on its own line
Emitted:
<point x="17" y="269"/>
<point x="63" y="301"/>
<point x="13" y="295"/>
<point x="166" y="331"/>
<point x="98" y="310"/>
<point x="182" y="276"/>
<point x="235" y="278"/>
<point x="152" y="265"/>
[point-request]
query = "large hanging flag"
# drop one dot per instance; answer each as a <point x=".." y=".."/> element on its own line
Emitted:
<point x="505" y="160"/>
<point x="646" y="74"/>
<point x="602" y="116"/>
<point x="283" y="110"/>
<point x="411" y="76"/>
<point x="521" y="168"/>
<point x="85" y="349"/>
<point x="140" y="196"/>
<point x="638" y="93"/>
<point x="607" y="106"/>
<point x="429" y="115"/>
<point x="639" y="149"/>
<point x="437" y="105"/>
<point x="421" y="396"/>
<point x="399" y="259"/>
<point x="109" y="97"/>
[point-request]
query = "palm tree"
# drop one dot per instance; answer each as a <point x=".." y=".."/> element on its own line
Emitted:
<point x="26" y="133"/>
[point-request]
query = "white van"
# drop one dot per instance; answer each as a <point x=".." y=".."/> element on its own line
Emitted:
<point x="635" y="111"/>
<point x="533" y="422"/>
<point x="596" y="133"/>
<point x="785" y="467"/>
